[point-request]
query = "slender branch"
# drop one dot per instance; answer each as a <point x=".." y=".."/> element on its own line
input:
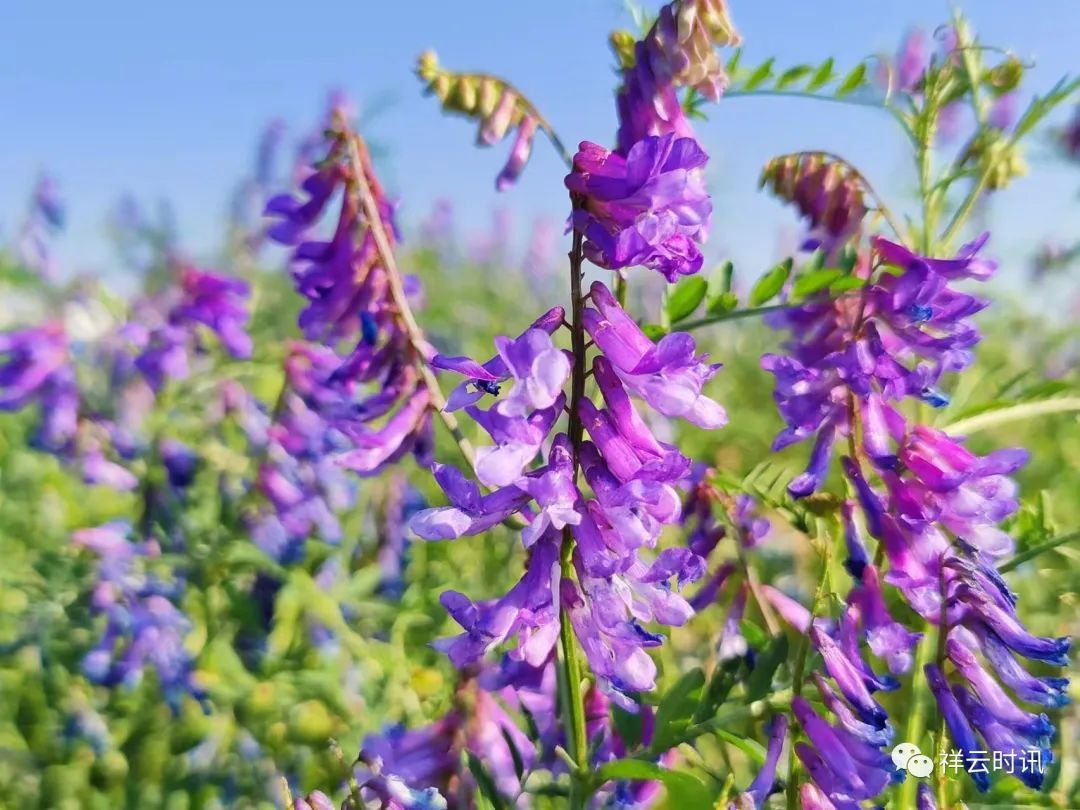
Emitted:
<point x="360" y="161"/>
<point x="574" y="710"/>
<point x="1012" y="413"/>
<point x="734" y="315"/>
<point x="1030" y="554"/>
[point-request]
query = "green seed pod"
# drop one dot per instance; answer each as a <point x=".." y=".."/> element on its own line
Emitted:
<point x="1005" y="77"/>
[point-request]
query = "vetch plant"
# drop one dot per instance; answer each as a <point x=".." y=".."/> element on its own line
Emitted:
<point x="517" y="556"/>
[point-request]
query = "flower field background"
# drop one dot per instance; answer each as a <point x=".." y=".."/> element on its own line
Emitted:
<point x="276" y="532"/>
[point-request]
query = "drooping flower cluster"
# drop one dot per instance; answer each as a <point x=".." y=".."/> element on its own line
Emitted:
<point x="631" y="477"/>
<point x="936" y="512"/>
<point x="143" y="626"/>
<point x="944" y="490"/>
<point x="354" y="296"/>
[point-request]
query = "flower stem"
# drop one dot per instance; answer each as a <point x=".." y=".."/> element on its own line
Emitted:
<point x="360" y="160"/>
<point x="1036" y="550"/>
<point x="574" y="708"/>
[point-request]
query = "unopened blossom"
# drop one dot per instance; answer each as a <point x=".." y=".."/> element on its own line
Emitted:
<point x="754" y="797"/>
<point x="678" y="51"/>
<point x="649" y="207"/>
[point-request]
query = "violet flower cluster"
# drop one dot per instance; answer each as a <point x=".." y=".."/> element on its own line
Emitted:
<point x="380" y="403"/>
<point x="936" y="513"/>
<point x="44" y="220"/>
<point x="144" y="629"/>
<point x="631" y="475"/>
<point x="299" y="476"/>
<point x="36" y="367"/>
<point x="851" y="356"/>
<point x="645" y="203"/>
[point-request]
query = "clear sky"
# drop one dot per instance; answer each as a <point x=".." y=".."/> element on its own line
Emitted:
<point x="167" y="100"/>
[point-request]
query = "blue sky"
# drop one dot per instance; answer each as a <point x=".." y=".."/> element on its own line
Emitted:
<point x="166" y="100"/>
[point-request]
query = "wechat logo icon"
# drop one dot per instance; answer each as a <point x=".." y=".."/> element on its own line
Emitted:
<point x="908" y="757"/>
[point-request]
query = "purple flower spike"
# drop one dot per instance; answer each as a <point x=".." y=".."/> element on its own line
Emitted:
<point x="648" y="208"/>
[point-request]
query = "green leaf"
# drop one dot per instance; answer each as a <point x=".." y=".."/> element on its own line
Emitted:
<point x="515" y="754"/>
<point x="792" y="75"/>
<point x="733" y="63"/>
<point x="484" y="782"/>
<point x="723" y="678"/>
<point x="1007" y="412"/>
<point x="684" y="791"/>
<point x="628" y="725"/>
<point x="760" y="75"/>
<point x="852" y="81"/>
<point x="752" y="748"/>
<point x="822" y="76"/>
<point x="815" y="281"/>
<point x="759" y="684"/>
<point x="847" y="284"/>
<point x="654" y="331"/>
<point x="675" y="710"/>
<point x="685" y="298"/>
<point x="770" y="284"/>
<point x="754" y="635"/>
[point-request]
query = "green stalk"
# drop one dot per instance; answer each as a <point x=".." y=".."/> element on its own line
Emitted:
<point x="574" y="708"/>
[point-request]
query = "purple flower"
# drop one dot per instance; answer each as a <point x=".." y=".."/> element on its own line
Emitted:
<point x="669" y="376"/>
<point x="143" y="627"/>
<point x="960" y="730"/>
<point x="44" y="220"/>
<point x="218" y="302"/>
<point x="647" y="208"/>
<point x="519" y="153"/>
<point x="887" y="638"/>
<point x="764" y="783"/>
<point x="844" y="767"/>
<point x="35" y="367"/>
